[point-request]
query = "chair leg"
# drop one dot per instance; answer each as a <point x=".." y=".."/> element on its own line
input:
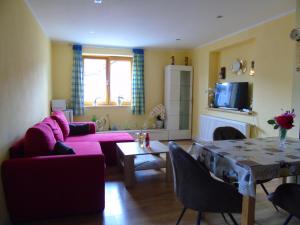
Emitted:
<point x="264" y="188"/>
<point x="267" y="193"/>
<point x="232" y="218"/>
<point x="223" y="215"/>
<point x="199" y="218"/>
<point x="181" y="215"/>
<point x="288" y="219"/>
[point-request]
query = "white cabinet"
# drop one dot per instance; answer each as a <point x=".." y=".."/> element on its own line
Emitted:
<point x="178" y="101"/>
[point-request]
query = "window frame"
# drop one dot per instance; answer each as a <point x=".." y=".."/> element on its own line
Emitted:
<point x="108" y="59"/>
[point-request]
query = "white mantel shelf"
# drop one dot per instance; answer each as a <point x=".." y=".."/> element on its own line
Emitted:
<point x="251" y="113"/>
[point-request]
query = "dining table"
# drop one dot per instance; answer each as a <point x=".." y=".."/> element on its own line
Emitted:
<point x="249" y="160"/>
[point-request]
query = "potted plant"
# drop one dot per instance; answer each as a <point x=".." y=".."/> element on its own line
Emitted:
<point x="159" y="112"/>
<point x="159" y="122"/>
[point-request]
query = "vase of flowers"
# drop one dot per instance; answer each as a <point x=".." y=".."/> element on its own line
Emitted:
<point x="283" y="122"/>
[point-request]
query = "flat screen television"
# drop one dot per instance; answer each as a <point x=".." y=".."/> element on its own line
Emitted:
<point x="232" y="95"/>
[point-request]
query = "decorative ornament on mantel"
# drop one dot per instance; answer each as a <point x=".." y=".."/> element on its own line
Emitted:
<point x="186" y="61"/>
<point x="173" y="60"/>
<point x="284" y="122"/>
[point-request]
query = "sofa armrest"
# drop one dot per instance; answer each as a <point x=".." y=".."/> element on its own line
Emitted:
<point x="50" y="186"/>
<point x="92" y="126"/>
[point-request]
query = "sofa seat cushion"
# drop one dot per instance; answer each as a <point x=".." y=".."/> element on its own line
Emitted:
<point x="107" y="141"/>
<point x="55" y="128"/>
<point x="39" y="140"/>
<point x="62" y="121"/>
<point x="85" y="148"/>
<point x="101" y="137"/>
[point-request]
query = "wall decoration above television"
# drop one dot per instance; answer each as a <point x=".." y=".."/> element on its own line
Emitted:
<point x="232" y="95"/>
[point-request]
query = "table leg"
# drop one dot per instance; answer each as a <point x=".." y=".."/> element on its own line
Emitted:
<point x="129" y="177"/>
<point x="248" y="210"/>
<point x="168" y="168"/>
<point x="120" y="159"/>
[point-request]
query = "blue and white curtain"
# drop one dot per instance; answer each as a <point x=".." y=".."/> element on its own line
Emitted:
<point x="138" y="95"/>
<point x="77" y="81"/>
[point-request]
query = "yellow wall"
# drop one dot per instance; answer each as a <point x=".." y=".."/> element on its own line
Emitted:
<point x="155" y="61"/>
<point x="24" y="77"/>
<point x="273" y="52"/>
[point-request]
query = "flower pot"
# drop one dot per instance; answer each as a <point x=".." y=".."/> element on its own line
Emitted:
<point x="159" y="124"/>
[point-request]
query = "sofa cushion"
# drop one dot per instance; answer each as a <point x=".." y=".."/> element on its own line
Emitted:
<point x="85" y="148"/>
<point x="55" y="128"/>
<point x="62" y="121"/>
<point x="101" y="137"/>
<point x="79" y="129"/>
<point x="92" y="126"/>
<point x="107" y="141"/>
<point x="62" y="149"/>
<point x="39" y="140"/>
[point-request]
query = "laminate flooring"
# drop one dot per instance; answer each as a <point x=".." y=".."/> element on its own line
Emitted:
<point x="152" y="202"/>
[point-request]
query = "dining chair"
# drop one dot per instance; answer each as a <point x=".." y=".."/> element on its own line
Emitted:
<point x="231" y="133"/>
<point x="287" y="197"/>
<point x="196" y="189"/>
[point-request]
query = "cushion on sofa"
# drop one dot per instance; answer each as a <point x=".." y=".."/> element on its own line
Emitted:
<point x="55" y="128"/>
<point x="92" y="126"/>
<point x="85" y="148"/>
<point x="62" y="121"/>
<point x="79" y="129"/>
<point x="62" y="149"/>
<point x="39" y="140"/>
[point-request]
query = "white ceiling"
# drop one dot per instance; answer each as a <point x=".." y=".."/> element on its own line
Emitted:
<point x="152" y="23"/>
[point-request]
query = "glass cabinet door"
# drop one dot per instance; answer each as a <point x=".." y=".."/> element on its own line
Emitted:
<point x="185" y="100"/>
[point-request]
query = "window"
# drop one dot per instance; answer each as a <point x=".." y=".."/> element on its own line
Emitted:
<point x="107" y="80"/>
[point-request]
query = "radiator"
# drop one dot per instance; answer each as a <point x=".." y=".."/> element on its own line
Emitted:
<point x="69" y="114"/>
<point x="208" y="124"/>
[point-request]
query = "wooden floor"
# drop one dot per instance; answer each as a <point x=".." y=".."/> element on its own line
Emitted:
<point x="152" y="202"/>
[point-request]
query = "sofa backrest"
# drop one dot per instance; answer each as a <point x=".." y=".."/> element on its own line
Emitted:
<point x="39" y="140"/>
<point x="55" y="128"/>
<point x="62" y="121"/>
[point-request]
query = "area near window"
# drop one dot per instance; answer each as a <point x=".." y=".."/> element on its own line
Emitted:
<point x="107" y="80"/>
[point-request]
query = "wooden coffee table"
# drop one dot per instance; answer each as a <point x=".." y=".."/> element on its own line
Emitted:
<point x="128" y="151"/>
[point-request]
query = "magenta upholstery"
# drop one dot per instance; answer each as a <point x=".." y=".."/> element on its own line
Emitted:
<point x="17" y="149"/>
<point x="55" y="128"/>
<point x="51" y="186"/>
<point x="85" y="148"/>
<point x="39" y="140"/>
<point x="62" y="121"/>
<point x="38" y="185"/>
<point x="107" y="141"/>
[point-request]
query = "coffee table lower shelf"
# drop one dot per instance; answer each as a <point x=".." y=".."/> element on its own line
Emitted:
<point x="132" y="158"/>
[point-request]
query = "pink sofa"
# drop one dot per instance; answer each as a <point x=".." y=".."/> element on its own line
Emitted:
<point x="38" y="184"/>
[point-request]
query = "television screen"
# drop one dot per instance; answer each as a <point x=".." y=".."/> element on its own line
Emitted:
<point x="233" y="95"/>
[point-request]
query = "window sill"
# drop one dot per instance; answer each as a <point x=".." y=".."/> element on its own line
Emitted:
<point x="108" y="106"/>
